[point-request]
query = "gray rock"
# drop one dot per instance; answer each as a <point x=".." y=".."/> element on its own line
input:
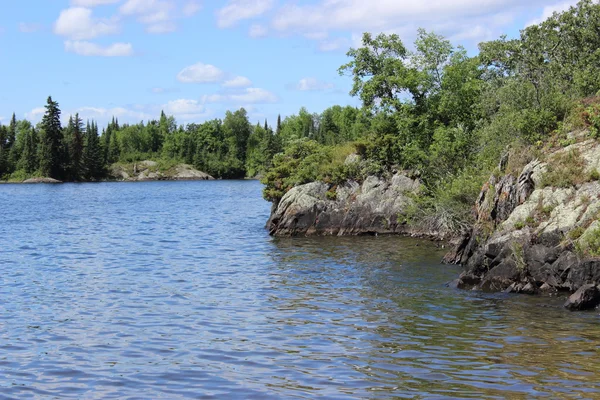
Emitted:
<point x="375" y="207"/>
<point x="524" y="236"/>
<point x="42" y="180"/>
<point x="585" y="298"/>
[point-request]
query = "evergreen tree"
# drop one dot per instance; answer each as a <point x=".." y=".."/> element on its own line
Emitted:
<point x="28" y="161"/>
<point x="51" y="143"/>
<point x="74" y="140"/>
<point x="92" y="153"/>
<point x="12" y="132"/>
<point x="3" y="150"/>
<point x="106" y="134"/>
<point x="278" y="131"/>
<point x="114" y="151"/>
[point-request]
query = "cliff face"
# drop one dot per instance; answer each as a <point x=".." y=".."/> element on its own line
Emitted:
<point x="375" y="207"/>
<point x="539" y="231"/>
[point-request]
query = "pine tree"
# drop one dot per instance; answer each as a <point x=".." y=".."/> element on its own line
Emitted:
<point x="278" y="131"/>
<point x="74" y="140"/>
<point x="3" y="150"/>
<point x="106" y="134"/>
<point x="28" y="161"/>
<point x="51" y="143"/>
<point x="12" y="132"/>
<point x="92" y="153"/>
<point x="114" y="152"/>
<point x="266" y="126"/>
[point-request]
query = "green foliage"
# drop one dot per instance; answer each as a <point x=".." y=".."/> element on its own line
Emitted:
<point x="520" y="225"/>
<point x="51" y="147"/>
<point x="304" y="161"/>
<point x="590" y="243"/>
<point x="576" y="233"/>
<point x="564" y="170"/>
<point x="446" y="208"/>
<point x="518" y="253"/>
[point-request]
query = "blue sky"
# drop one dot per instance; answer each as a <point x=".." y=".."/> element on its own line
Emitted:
<point x="197" y="58"/>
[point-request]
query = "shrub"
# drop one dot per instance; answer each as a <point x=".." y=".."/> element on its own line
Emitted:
<point x="564" y="170"/>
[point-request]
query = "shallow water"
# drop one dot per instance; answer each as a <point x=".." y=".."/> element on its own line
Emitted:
<point x="175" y="290"/>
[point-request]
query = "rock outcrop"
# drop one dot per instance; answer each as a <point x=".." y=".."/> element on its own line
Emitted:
<point x="149" y="171"/>
<point x="41" y="180"/>
<point x="533" y="237"/>
<point x="374" y="207"/>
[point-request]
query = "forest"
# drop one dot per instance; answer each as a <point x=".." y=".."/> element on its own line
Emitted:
<point x="429" y="109"/>
<point x="230" y="148"/>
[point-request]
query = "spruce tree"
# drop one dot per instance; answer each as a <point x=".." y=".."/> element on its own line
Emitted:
<point x="12" y="132"/>
<point x="3" y="150"/>
<point x="114" y="152"/>
<point x="92" y="154"/>
<point x="28" y="161"/>
<point x="51" y="143"/>
<point x="278" y="131"/>
<point x="74" y="140"/>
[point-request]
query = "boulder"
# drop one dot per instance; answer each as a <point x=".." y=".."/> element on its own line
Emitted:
<point x="585" y="298"/>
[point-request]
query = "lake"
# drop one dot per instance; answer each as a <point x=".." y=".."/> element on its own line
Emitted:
<point x="175" y="290"/>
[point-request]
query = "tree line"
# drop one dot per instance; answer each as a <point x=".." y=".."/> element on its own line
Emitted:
<point x="228" y="148"/>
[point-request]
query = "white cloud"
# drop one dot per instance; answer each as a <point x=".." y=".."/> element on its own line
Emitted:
<point x="191" y="8"/>
<point x="92" y="3"/>
<point x="334" y="44"/>
<point x="238" y="10"/>
<point x="313" y="84"/>
<point x="105" y="114"/>
<point x="25" y="27"/>
<point x="549" y="10"/>
<point x="237" y="82"/>
<point x="255" y="95"/>
<point x="258" y="31"/>
<point x="200" y="73"/>
<point x="157" y="15"/>
<point x="78" y="24"/>
<point x="84" y="48"/>
<point x="449" y="18"/>
<point x="185" y="109"/>
<point x="316" y="35"/>
<point x="248" y="96"/>
<point x="162" y="27"/>
<point x="36" y="114"/>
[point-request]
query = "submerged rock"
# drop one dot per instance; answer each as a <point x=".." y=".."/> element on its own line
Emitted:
<point x="374" y="207"/>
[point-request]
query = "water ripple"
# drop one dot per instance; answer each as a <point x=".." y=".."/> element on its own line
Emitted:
<point x="174" y="290"/>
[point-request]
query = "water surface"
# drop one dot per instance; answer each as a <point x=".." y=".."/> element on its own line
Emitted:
<point x="175" y="290"/>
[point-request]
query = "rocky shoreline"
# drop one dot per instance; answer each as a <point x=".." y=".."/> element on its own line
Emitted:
<point x="536" y="232"/>
<point x="144" y="171"/>
<point x="149" y="171"/>
<point x="316" y="209"/>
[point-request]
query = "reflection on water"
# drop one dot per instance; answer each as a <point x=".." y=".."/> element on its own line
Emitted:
<point x="174" y="290"/>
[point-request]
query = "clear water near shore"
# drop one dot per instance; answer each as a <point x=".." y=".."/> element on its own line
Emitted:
<point x="175" y="290"/>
